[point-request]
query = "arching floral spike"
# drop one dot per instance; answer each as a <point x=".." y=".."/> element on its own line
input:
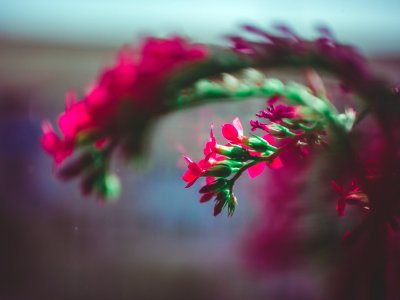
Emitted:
<point x="118" y="107"/>
<point x="169" y="74"/>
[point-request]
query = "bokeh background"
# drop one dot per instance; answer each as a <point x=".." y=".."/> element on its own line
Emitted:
<point x="157" y="241"/>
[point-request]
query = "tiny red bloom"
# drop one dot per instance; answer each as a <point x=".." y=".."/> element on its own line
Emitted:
<point x="211" y="145"/>
<point x="54" y="145"/>
<point x="75" y="119"/>
<point x="277" y="113"/>
<point x="233" y="132"/>
<point x="194" y="171"/>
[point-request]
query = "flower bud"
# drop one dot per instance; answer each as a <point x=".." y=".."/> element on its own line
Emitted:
<point x="231" y="205"/>
<point x="75" y="167"/>
<point x="219" y="205"/>
<point x="206" y="197"/>
<point x="215" y="186"/>
<point x="279" y="131"/>
<point x="112" y="187"/>
<point x="259" y="144"/>
<point x="221" y="201"/>
<point x="230" y="82"/>
<point x="109" y="186"/>
<point x="219" y="170"/>
<point x="235" y="152"/>
<point x="209" y="88"/>
<point x="272" y="87"/>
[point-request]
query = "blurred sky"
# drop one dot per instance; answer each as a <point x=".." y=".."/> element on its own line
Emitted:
<point x="372" y="25"/>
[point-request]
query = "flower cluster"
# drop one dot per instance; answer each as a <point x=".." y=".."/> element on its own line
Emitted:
<point x="117" y="108"/>
<point x="223" y="164"/>
<point x="297" y="118"/>
<point x="164" y="75"/>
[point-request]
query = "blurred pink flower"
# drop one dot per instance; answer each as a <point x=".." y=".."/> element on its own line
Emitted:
<point x="137" y="79"/>
<point x="53" y="144"/>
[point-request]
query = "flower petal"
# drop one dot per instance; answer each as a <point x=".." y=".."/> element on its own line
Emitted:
<point x="230" y="132"/>
<point x="276" y="163"/>
<point x="256" y="170"/>
<point x="238" y="126"/>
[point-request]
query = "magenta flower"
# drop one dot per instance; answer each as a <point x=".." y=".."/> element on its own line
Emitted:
<point x="277" y="113"/>
<point x="74" y="120"/>
<point x="211" y="145"/>
<point x="137" y="79"/>
<point x="197" y="170"/>
<point x="233" y="132"/>
<point x="194" y="171"/>
<point x="54" y="145"/>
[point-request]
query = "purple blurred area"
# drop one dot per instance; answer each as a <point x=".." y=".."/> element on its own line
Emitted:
<point x="157" y="241"/>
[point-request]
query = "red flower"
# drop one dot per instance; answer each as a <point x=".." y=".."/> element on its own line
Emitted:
<point x="277" y="113"/>
<point x="138" y="79"/>
<point x="74" y="120"/>
<point x="194" y="171"/>
<point x="53" y="144"/>
<point x="211" y="145"/>
<point x="233" y="132"/>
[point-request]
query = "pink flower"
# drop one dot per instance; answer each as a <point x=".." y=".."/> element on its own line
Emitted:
<point x="158" y="59"/>
<point x="233" y="132"/>
<point x="75" y="119"/>
<point x="137" y="79"/>
<point x="53" y="144"/>
<point x="212" y="149"/>
<point x="277" y="113"/>
<point x="72" y="122"/>
<point x="211" y="145"/>
<point x="194" y="171"/>
<point x="197" y="170"/>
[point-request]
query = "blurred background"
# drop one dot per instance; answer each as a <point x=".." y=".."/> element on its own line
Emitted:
<point x="157" y="241"/>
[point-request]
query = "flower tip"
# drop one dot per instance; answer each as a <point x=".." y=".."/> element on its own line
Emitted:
<point x="238" y="125"/>
<point x="70" y="99"/>
<point x="276" y="163"/>
<point x="189" y="184"/>
<point x="47" y="127"/>
<point x="187" y="158"/>
<point x="212" y="137"/>
<point x="256" y="170"/>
